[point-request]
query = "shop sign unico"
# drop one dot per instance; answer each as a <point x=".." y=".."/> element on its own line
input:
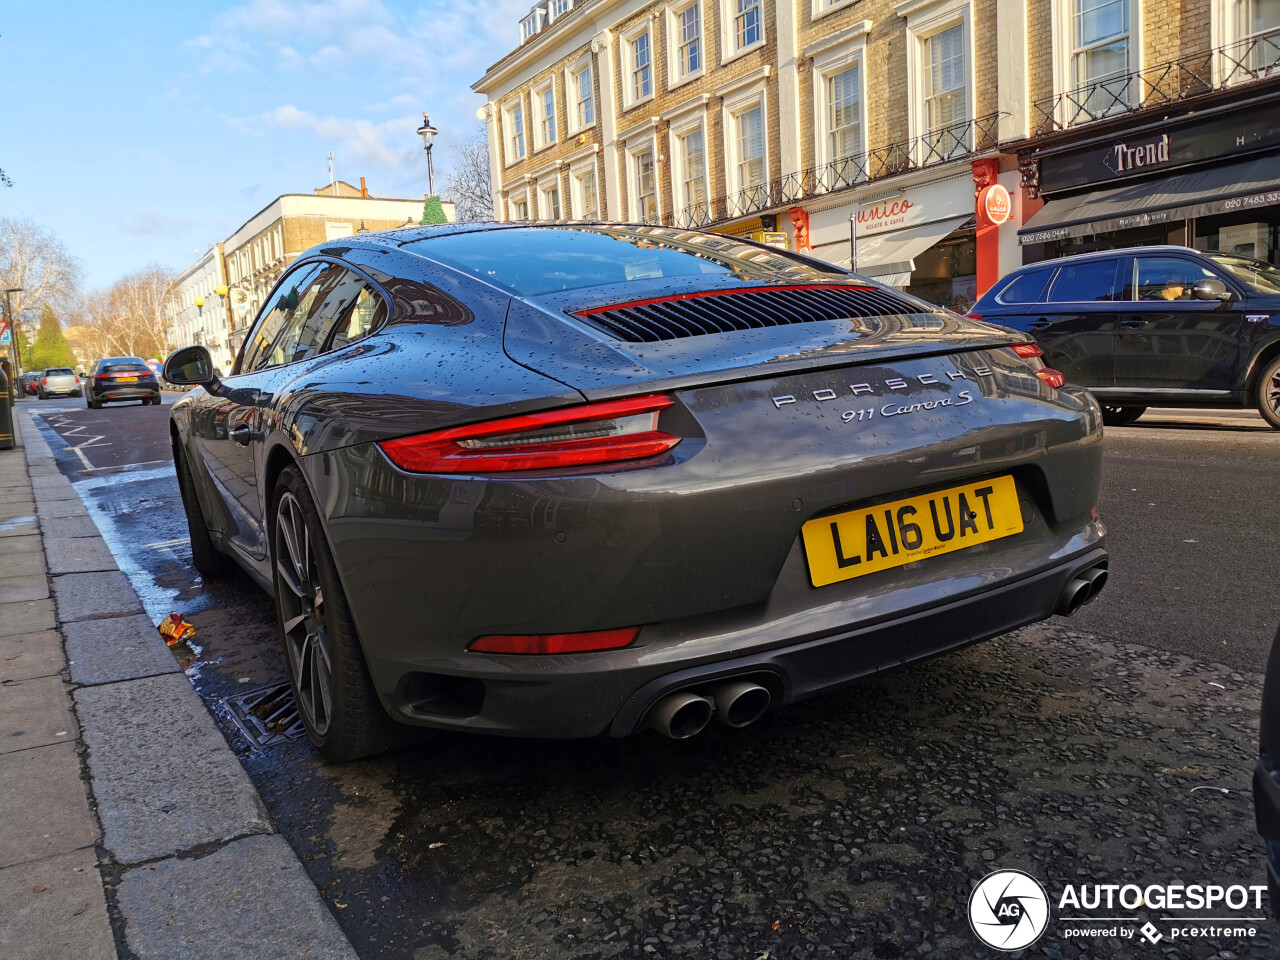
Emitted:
<point x="883" y="216"/>
<point x="996" y="203"/>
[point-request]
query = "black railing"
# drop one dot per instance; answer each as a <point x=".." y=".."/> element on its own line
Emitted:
<point x="952" y="142"/>
<point x="1254" y="58"/>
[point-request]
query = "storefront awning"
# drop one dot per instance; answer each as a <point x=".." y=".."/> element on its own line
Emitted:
<point x="1237" y="186"/>
<point x="890" y="257"/>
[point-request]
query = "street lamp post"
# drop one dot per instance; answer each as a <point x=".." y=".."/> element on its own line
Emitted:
<point x="428" y="134"/>
<point x="13" y="330"/>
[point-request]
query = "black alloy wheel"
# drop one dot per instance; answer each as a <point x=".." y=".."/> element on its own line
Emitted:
<point x="1269" y="393"/>
<point x="1114" y="416"/>
<point x="326" y="666"/>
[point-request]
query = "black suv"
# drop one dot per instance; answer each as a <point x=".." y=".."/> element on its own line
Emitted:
<point x="1144" y="326"/>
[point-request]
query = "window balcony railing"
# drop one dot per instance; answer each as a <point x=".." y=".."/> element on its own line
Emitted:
<point x="953" y="142"/>
<point x="1253" y="58"/>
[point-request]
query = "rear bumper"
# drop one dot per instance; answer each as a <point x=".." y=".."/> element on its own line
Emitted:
<point x="612" y="692"/>
<point x="123" y="392"/>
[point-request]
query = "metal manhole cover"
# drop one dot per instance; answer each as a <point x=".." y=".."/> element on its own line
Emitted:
<point x="267" y="715"/>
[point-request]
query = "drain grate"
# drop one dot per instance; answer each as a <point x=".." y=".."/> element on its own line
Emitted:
<point x="267" y="715"/>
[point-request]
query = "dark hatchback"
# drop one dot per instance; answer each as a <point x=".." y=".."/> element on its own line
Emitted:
<point x="1152" y="326"/>
<point x="118" y="379"/>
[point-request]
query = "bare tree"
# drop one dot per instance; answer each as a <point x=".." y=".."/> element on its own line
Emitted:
<point x="34" y="260"/>
<point x="128" y="319"/>
<point x="468" y="183"/>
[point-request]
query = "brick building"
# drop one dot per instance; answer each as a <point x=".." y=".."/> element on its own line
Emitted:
<point x="271" y="239"/>
<point x="907" y="120"/>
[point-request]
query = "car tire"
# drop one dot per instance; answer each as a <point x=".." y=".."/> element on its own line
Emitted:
<point x="326" y="666"/>
<point x="205" y="557"/>
<point x="1269" y="393"/>
<point x="1121" y="416"/>
<point x="40" y="395"/>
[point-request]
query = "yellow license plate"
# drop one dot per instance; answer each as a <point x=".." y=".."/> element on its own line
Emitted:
<point x="863" y="541"/>
<point x="126" y="379"/>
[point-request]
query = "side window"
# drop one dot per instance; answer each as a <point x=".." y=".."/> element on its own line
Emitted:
<point x="1167" y="278"/>
<point x="1085" y="282"/>
<point x="340" y="290"/>
<point x="362" y="316"/>
<point x="275" y="316"/>
<point x="1027" y="288"/>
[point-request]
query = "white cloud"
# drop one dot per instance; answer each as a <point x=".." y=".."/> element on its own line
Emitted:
<point x="354" y="141"/>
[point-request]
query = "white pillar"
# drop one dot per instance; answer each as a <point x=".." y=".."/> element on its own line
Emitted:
<point x="495" y="165"/>
<point x="602" y="47"/>
<point x="788" y="86"/>
<point x="1012" y="94"/>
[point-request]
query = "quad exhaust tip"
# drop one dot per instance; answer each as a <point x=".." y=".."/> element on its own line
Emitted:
<point x="685" y="714"/>
<point x="1081" y="589"/>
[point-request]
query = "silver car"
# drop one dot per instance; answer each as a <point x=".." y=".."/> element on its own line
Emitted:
<point x="58" y="382"/>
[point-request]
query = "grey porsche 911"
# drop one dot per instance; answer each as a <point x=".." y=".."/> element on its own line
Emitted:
<point x="584" y="479"/>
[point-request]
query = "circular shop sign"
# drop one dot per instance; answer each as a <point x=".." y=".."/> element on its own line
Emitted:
<point x="1009" y="910"/>
<point x="997" y="204"/>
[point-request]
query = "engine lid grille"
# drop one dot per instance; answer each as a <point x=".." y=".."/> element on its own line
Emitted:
<point x="684" y="315"/>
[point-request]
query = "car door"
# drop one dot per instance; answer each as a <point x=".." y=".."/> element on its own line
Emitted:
<point x="1167" y="340"/>
<point x="1075" y="325"/>
<point x="223" y="426"/>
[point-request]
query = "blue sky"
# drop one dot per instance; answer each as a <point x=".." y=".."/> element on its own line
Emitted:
<point x="142" y="132"/>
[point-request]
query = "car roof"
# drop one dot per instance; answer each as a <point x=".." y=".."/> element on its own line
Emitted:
<point x="1118" y="251"/>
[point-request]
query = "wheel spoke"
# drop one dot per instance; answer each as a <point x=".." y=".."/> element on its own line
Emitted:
<point x="289" y="578"/>
<point x="319" y="687"/>
<point x="292" y="623"/>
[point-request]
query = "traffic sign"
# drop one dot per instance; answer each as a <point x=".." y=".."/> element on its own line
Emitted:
<point x="4" y="327"/>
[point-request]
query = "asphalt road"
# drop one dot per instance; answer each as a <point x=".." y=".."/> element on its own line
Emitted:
<point x="1110" y="748"/>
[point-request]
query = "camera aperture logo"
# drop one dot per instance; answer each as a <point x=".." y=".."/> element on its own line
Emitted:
<point x="1008" y="910"/>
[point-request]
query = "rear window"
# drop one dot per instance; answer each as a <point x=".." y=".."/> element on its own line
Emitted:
<point x="533" y="260"/>
<point x="58" y="372"/>
<point x="126" y="368"/>
<point x="1027" y="287"/>
<point x="1083" y="282"/>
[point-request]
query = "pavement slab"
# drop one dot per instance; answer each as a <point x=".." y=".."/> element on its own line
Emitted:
<point x="29" y="563"/>
<point x="81" y="555"/>
<point x="55" y="509"/>
<point x="251" y="900"/>
<point x="91" y="596"/>
<point x="29" y="655"/>
<point x="27" y="616"/>
<point x="43" y="805"/>
<point x="18" y="506"/>
<point x="119" y="648"/>
<point x="60" y="527"/>
<point x="16" y="589"/>
<point x="34" y="713"/>
<point x="17" y="546"/>
<point x="163" y="776"/>
<point x="22" y="526"/>
<point x="66" y="918"/>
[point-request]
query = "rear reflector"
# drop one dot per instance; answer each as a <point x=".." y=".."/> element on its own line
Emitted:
<point x="1026" y="350"/>
<point x="546" y="643"/>
<point x="1054" y="378"/>
<point x="612" y="431"/>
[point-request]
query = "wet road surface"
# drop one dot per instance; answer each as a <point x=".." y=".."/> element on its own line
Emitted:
<point x="851" y="825"/>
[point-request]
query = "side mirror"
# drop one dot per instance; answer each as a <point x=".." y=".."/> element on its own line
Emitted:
<point x="1210" y="288"/>
<point x="190" y="366"/>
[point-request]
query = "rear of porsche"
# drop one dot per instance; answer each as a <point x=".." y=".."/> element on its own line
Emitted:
<point x="731" y="519"/>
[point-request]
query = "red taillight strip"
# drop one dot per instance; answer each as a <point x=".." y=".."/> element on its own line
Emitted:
<point x="440" y="452"/>
<point x="1027" y="350"/>
<point x="698" y="295"/>
<point x="1054" y="378"/>
<point x="551" y="643"/>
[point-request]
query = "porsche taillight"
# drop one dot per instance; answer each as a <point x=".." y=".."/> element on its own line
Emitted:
<point x="1026" y="350"/>
<point x="611" y="431"/>
<point x="1032" y="353"/>
<point x="550" y="643"/>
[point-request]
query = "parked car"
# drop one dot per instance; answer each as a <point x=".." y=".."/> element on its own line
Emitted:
<point x="117" y="379"/>
<point x="570" y="481"/>
<point x="29" y="383"/>
<point x="1163" y="326"/>
<point x="58" y="382"/>
<point x="1266" y="774"/>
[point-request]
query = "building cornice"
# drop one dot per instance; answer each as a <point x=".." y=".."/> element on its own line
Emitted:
<point x="847" y="35"/>
<point x="746" y="80"/>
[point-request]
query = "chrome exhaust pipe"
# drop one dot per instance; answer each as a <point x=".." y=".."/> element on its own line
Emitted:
<point x="740" y="704"/>
<point x="1074" y="596"/>
<point x="681" y="715"/>
<point x="1097" y="578"/>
